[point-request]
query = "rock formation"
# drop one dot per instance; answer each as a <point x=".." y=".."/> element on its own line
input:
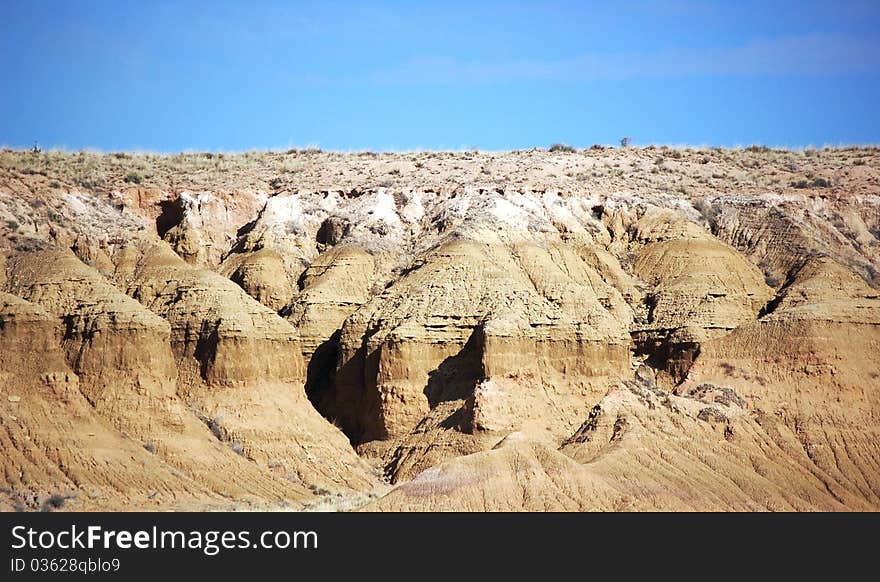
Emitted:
<point x="122" y="358"/>
<point x="241" y="370"/>
<point x="611" y="329"/>
<point x="56" y="449"/>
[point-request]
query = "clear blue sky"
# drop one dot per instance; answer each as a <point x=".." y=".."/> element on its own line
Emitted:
<point x="170" y="76"/>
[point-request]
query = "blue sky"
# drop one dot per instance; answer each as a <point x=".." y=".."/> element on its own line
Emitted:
<point x="170" y="76"/>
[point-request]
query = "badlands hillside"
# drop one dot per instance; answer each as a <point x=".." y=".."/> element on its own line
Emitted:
<point x="600" y="329"/>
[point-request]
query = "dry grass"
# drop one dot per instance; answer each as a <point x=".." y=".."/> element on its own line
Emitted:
<point x="336" y="502"/>
<point x="696" y="172"/>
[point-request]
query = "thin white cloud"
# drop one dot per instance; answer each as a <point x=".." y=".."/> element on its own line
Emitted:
<point x="814" y="55"/>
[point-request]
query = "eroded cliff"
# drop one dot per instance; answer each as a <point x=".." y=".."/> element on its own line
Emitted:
<point x="605" y="329"/>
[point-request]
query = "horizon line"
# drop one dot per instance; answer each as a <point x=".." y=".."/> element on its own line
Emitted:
<point x="316" y="149"/>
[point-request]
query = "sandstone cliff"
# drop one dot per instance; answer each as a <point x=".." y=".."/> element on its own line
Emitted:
<point x="56" y="448"/>
<point x="618" y="329"/>
<point x="122" y="357"/>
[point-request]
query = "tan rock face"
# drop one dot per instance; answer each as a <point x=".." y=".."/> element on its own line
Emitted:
<point x="522" y="330"/>
<point x="630" y="455"/>
<point x="336" y="284"/>
<point x="121" y="354"/>
<point x="53" y="440"/>
<point x="779" y="234"/>
<point x="199" y="226"/>
<point x="811" y="362"/>
<point x="221" y="337"/>
<point x="115" y="345"/>
<point x="539" y="324"/>
<point x="700" y="289"/>
<point x="262" y="276"/>
<point x="241" y="369"/>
